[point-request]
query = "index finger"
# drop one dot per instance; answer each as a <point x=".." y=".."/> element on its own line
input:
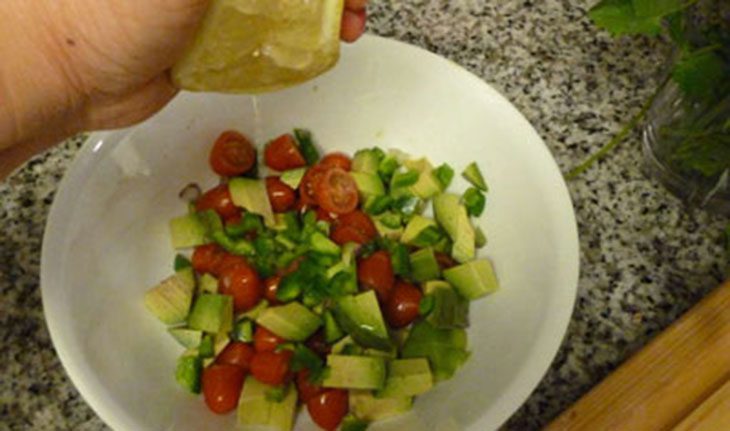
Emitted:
<point x="356" y="4"/>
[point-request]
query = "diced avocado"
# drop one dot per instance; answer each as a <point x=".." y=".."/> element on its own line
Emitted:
<point x="187" y="231"/>
<point x="351" y="423"/>
<point x="366" y="161"/>
<point x="332" y="331"/>
<point x="251" y="194"/>
<point x="255" y="312"/>
<point x="348" y="253"/>
<point x="427" y="185"/>
<point x="445" y="349"/>
<point x="207" y="284"/>
<point x="322" y="244"/>
<point x="170" y="300"/>
<point x="243" y="331"/>
<point x="293" y="177"/>
<point x="205" y="350"/>
<point x="415" y="226"/>
<point x="360" y="316"/>
<point x="340" y="346"/>
<point x="368" y="184"/>
<point x="388" y="232"/>
<point x="406" y="378"/>
<point x="366" y="407"/>
<point x="188" y="338"/>
<point x="424" y="265"/>
<point x="473" y="279"/>
<point x="220" y="341"/>
<point x="387" y="167"/>
<point x="212" y="313"/>
<point x="354" y="372"/>
<point x="480" y="240"/>
<point x="188" y="371"/>
<point x="452" y="216"/>
<point x="391" y="353"/>
<point x="474" y="176"/>
<point x="449" y="309"/>
<point x="292" y="321"/>
<point x="257" y="412"/>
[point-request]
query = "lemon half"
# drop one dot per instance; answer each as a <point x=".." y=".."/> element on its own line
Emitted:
<point x="253" y="46"/>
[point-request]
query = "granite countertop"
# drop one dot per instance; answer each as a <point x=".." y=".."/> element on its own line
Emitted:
<point x="645" y="259"/>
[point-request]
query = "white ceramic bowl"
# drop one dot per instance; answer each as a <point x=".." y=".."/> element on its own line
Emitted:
<point x="106" y="240"/>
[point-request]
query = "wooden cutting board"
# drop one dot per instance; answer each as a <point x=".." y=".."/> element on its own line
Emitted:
<point x="680" y="381"/>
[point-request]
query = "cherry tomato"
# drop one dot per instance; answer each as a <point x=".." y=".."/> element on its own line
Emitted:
<point x="324" y="215"/>
<point x="219" y="200"/>
<point x="336" y="160"/>
<point x="376" y="272"/>
<point x="226" y="261"/>
<point x="235" y="219"/>
<point x="358" y="221"/>
<point x="328" y="408"/>
<point x="307" y="389"/>
<point x="232" y="154"/>
<point x="343" y="234"/>
<point x="336" y="192"/>
<point x="222" y="384"/>
<point x="271" y="368"/>
<point x="207" y="257"/>
<point x="444" y="260"/>
<point x="282" y="154"/>
<point x="236" y="353"/>
<point x="265" y="340"/>
<point x="401" y="309"/>
<point x="309" y="184"/>
<point x="270" y="286"/>
<point x="241" y="282"/>
<point x="281" y="196"/>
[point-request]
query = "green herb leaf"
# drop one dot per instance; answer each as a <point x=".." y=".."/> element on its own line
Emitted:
<point x="351" y="423"/>
<point x="620" y="17"/>
<point x="474" y="201"/>
<point x="277" y="394"/>
<point x="659" y="8"/>
<point x="698" y="73"/>
<point x="376" y="205"/>
<point x="306" y="146"/>
<point x="444" y="174"/>
<point x="305" y="358"/>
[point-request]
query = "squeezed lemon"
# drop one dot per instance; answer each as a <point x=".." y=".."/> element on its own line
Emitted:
<point x="253" y="46"/>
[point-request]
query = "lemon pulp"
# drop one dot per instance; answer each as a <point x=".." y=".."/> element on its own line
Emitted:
<point x="252" y="46"/>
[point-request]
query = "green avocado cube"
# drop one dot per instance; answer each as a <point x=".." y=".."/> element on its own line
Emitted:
<point x="170" y="300"/>
<point x="406" y="378"/>
<point x="188" y="372"/>
<point x="367" y="407"/>
<point x="212" y="313"/>
<point x="187" y="231"/>
<point x="292" y="321"/>
<point x="473" y="279"/>
<point x="354" y="372"/>
<point x="424" y="265"/>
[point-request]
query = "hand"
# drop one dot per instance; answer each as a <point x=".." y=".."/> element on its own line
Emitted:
<point x="108" y="61"/>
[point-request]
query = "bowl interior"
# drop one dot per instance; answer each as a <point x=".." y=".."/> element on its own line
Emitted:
<point x="107" y="241"/>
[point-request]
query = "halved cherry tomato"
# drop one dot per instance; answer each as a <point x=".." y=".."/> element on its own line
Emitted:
<point x="281" y="196"/>
<point x="336" y="192"/>
<point x="219" y="200"/>
<point x="401" y="309"/>
<point x="232" y="154"/>
<point x="307" y="390"/>
<point x="241" y="282"/>
<point x="328" y="408"/>
<point x="336" y="160"/>
<point x="233" y="219"/>
<point x="226" y="261"/>
<point x="207" y="257"/>
<point x="444" y="260"/>
<point x="282" y="154"/>
<point x="324" y="215"/>
<point x="376" y="272"/>
<point x="222" y="384"/>
<point x="265" y="340"/>
<point x="238" y="354"/>
<point x="271" y="284"/>
<point x="309" y="184"/>
<point x="358" y="221"/>
<point x="271" y="368"/>
<point x="342" y="234"/>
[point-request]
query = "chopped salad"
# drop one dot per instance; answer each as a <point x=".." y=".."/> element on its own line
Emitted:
<point x="323" y="283"/>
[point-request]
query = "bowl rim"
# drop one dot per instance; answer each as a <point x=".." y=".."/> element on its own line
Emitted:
<point x="543" y="352"/>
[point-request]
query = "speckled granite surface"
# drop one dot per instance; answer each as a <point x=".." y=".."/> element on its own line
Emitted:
<point x="645" y="260"/>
